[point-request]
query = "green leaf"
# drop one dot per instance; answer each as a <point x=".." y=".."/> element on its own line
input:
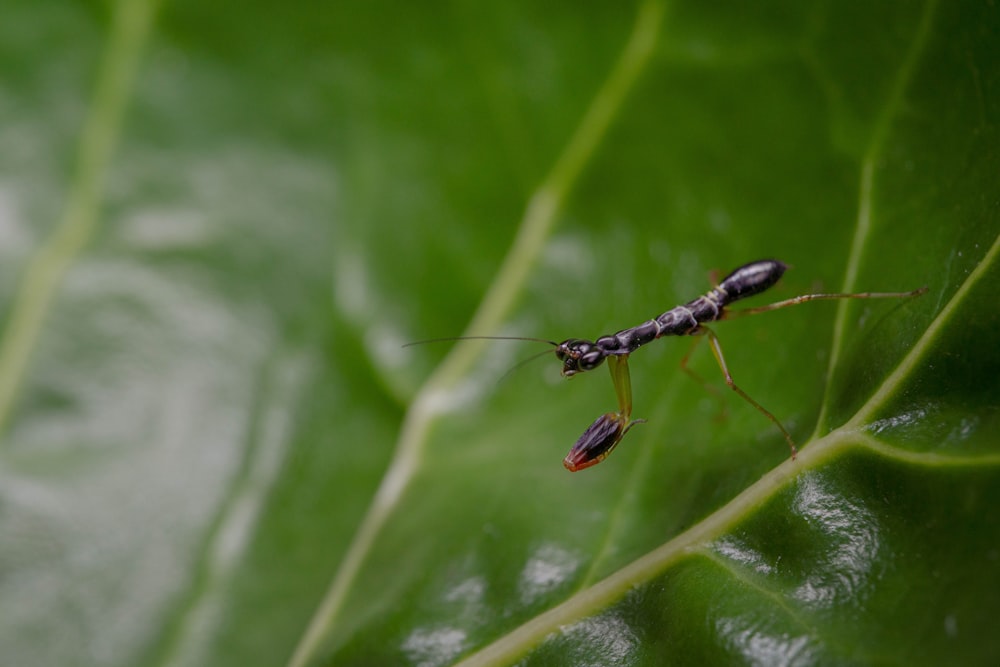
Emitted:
<point x="223" y="220"/>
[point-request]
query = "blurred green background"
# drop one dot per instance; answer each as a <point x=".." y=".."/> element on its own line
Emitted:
<point x="219" y="222"/>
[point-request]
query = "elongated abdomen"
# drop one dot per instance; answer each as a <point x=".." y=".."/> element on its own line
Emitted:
<point x="752" y="278"/>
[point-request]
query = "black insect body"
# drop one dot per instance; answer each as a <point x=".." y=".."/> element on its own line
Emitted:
<point x="691" y="319"/>
<point x="580" y="355"/>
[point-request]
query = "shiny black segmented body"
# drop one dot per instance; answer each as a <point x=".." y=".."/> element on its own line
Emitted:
<point x="691" y="319"/>
<point x="580" y="355"/>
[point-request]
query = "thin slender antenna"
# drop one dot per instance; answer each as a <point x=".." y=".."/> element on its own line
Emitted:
<point x="447" y="338"/>
<point x="523" y="362"/>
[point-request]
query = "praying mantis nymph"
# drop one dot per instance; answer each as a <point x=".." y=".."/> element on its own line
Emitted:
<point x="578" y="355"/>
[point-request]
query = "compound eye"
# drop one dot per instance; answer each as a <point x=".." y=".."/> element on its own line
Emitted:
<point x="567" y="349"/>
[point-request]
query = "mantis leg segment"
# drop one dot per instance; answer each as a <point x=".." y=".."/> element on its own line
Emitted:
<point x="796" y="300"/>
<point x="710" y="388"/>
<point x="717" y="351"/>
<point x="618" y="366"/>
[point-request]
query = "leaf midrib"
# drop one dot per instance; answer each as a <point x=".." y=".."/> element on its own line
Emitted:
<point x="534" y="230"/>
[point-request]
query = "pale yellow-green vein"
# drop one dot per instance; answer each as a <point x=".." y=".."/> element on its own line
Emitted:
<point x="866" y="187"/>
<point x="913" y="358"/>
<point x="511" y="647"/>
<point x="129" y="29"/>
<point x="536" y="226"/>
<point x="927" y="459"/>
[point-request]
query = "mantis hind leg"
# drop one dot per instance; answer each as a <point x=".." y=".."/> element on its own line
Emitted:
<point x="803" y="298"/>
<point x="709" y="387"/>
<point x="721" y="360"/>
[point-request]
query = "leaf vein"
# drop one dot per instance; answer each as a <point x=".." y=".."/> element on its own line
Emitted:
<point x="536" y="226"/>
<point x="866" y="188"/>
<point x="48" y="266"/>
